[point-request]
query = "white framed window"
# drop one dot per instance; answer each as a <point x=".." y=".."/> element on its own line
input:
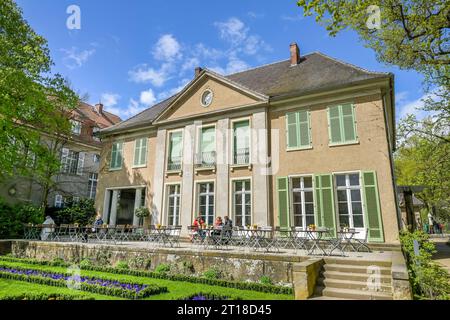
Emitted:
<point x="116" y="155"/>
<point x="175" y="151"/>
<point x="349" y="202"/>
<point x="140" y="152"/>
<point x="241" y="142"/>
<point x="92" y="185"/>
<point x="206" y="195"/>
<point x="206" y="146"/>
<point x="94" y="131"/>
<point x="242" y="202"/>
<point x="302" y="203"/>
<point x="72" y="161"/>
<point x="173" y="204"/>
<point x="59" y="201"/>
<point x="76" y="127"/>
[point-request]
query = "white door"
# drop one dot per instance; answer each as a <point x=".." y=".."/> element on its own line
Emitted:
<point x="349" y="203"/>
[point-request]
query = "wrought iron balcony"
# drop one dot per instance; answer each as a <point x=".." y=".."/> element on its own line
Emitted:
<point x="241" y="156"/>
<point x="205" y="159"/>
<point x="174" y="164"/>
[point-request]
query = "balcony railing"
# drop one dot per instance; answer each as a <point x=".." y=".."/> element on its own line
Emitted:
<point x="241" y="156"/>
<point x="205" y="159"/>
<point x="174" y="164"/>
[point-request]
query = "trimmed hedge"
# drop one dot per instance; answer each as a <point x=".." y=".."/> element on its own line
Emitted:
<point x="254" y="286"/>
<point x="93" y="288"/>
<point x="46" y="296"/>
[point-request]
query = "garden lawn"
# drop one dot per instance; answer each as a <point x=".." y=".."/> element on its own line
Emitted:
<point x="177" y="289"/>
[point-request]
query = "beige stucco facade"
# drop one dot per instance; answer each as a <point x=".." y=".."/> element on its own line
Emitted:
<point x="372" y="152"/>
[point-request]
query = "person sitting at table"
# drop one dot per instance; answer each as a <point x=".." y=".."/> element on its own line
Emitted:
<point x="47" y="231"/>
<point x="197" y="227"/>
<point x="228" y="226"/>
<point x="97" y="223"/>
<point x="218" y="226"/>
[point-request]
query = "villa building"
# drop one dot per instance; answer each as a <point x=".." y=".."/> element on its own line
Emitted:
<point x="304" y="141"/>
<point x="80" y="158"/>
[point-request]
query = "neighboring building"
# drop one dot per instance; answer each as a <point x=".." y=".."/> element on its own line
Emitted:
<point x="407" y="198"/>
<point x="326" y="126"/>
<point x="80" y="157"/>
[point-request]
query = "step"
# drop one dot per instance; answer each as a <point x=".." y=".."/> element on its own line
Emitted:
<point x="358" y="262"/>
<point x="355" y="269"/>
<point x="351" y="284"/>
<point x="352" y="294"/>
<point x="336" y="275"/>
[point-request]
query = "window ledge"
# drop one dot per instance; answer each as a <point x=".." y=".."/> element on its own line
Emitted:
<point x="343" y="144"/>
<point x="115" y="169"/>
<point x="139" y="167"/>
<point x="173" y="172"/>
<point x="299" y="149"/>
<point x="237" y="166"/>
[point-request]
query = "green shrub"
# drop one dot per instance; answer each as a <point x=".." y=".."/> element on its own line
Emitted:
<point x="85" y="263"/>
<point x="212" y="273"/>
<point x="139" y="262"/>
<point x="162" y="268"/>
<point x="81" y="212"/>
<point x="265" y="280"/>
<point x="122" y="265"/>
<point x="188" y="267"/>
<point x="12" y="218"/>
<point x="58" y="262"/>
<point x="428" y="280"/>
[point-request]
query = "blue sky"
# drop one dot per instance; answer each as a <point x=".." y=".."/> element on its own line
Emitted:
<point x="131" y="54"/>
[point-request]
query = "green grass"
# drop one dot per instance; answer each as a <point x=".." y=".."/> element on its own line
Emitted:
<point x="177" y="289"/>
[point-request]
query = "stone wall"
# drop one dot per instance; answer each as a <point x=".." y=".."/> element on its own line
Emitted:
<point x="234" y="266"/>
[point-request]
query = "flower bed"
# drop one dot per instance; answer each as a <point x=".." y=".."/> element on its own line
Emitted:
<point x="266" y="288"/>
<point x="46" y="296"/>
<point x="89" y="284"/>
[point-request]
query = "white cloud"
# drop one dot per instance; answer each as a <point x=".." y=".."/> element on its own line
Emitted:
<point x="190" y="64"/>
<point x="110" y="99"/>
<point x="144" y="74"/>
<point x="255" y="15"/>
<point x="75" y="58"/>
<point x="414" y="107"/>
<point x="292" y="18"/>
<point x="232" y="30"/>
<point x="167" y="48"/>
<point x="148" y="97"/>
<point x="401" y="97"/>
<point x="234" y="65"/>
<point x="133" y="108"/>
<point x="168" y="93"/>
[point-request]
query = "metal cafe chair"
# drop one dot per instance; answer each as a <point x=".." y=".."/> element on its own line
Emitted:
<point x="63" y="232"/>
<point x="173" y="235"/>
<point x="73" y="232"/>
<point x="195" y="235"/>
<point x="284" y="238"/>
<point x="120" y="235"/>
<point x="362" y="243"/>
<point x="27" y="231"/>
<point x="299" y="238"/>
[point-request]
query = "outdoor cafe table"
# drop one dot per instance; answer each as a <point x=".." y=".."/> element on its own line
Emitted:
<point x="344" y="239"/>
<point x="316" y="236"/>
<point x="258" y="238"/>
<point x="161" y="235"/>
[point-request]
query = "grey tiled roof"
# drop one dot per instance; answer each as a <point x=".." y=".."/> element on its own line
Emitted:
<point x="315" y="71"/>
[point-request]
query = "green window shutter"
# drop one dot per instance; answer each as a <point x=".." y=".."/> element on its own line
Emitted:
<point x="175" y="145"/>
<point x="283" y="202"/>
<point x="143" y="158"/>
<point x="119" y="156"/>
<point x="113" y="155"/>
<point x="348" y="123"/>
<point x="304" y="128"/>
<point x="317" y="202"/>
<point x="292" y="130"/>
<point x="137" y="151"/>
<point x="334" y="125"/>
<point x="372" y="211"/>
<point x="325" y="201"/>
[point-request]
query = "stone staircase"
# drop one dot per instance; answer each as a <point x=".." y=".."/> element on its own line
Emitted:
<point x="350" y="279"/>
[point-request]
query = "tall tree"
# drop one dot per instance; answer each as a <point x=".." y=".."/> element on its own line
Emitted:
<point x="411" y="34"/>
<point x="32" y="99"/>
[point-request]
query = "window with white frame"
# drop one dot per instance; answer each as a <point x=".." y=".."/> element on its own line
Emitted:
<point x="76" y="127"/>
<point x="350" y="208"/>
<point x="175" y="151"/>
<point x="302" y="195"/>
<point x="173" y="204"/>
<point x="140" y="152"/>
<point x="59" y="201"/>
<point x="242" y="202"/>
<point x="206" y="153"/>
<point x="92" y="185"/>
<point x="72" y="161"/>
<point x="116" y="155"/>
<point x="241" y="142"/>
<point x="206" y="202"/>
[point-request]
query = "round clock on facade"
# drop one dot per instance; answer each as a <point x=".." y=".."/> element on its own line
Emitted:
<point x="207" y="98"/>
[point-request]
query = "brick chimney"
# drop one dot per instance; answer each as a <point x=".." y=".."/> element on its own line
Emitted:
<point x="99" y="108"/>
<point x="295" y="54"/>
<point x="197" y="71"/>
